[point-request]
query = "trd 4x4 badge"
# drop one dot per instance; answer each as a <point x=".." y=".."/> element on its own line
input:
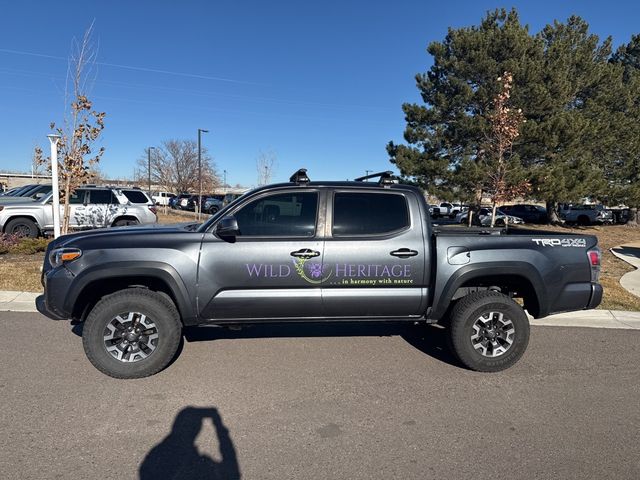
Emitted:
<point x="560" y="242"/>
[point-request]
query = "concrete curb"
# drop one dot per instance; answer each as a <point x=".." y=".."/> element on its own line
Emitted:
<point x="630" y="281"/>
<point x="25" y="302"/>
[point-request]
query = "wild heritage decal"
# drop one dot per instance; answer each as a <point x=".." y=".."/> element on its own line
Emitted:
<point x="347" y="274"/>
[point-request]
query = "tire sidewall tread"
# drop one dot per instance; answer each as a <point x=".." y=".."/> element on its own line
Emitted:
<point x="465" y="313"/>
<point x="163" y="313"/>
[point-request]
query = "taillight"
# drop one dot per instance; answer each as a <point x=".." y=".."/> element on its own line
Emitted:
<point x="153" y="209"/>
<point x="594" y="261"/>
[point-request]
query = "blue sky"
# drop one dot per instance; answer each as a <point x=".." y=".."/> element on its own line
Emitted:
<point x="320" y="84"/>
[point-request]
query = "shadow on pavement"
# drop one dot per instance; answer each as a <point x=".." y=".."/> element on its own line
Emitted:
<point x="630" y="251"/>
<point x="429" y="339"/>
<point x="177" y="456"/>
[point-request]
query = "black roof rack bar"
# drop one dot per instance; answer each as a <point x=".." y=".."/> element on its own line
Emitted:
<point x="386" y="177"/>
<point x="300" y="177"/>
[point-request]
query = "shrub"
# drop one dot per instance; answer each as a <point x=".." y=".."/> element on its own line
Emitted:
<point x="29" y="246"/>
<point x="17" y="244"/>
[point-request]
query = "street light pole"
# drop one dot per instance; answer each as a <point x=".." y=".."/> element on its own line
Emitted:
<point x="367" y="172"/>
<point x="53" y="139"/>
<point x="149" y="167"/>
<point x="200" y="131"/>
<point x="225" y="182"/>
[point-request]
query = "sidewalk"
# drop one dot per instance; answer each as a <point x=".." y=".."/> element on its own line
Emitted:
<point x="630" y="253"/>
<point x="25" y="302"/>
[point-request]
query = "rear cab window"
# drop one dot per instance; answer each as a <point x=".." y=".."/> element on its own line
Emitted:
<point x="369" y="213"/>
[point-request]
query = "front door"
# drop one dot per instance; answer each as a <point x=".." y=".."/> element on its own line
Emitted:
<point x="375" y="256"/>
<point x="273" y="268"/>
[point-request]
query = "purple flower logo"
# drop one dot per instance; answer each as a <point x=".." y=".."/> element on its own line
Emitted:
<point x="315" y="269"/>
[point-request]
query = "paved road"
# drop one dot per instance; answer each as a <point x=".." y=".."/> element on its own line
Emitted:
<point x="292" y="402"/>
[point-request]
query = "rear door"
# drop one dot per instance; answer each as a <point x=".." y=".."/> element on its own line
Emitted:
<point x="272" y="269"/>
<point x="375" y="256"/>
<point x="100" y="207"/>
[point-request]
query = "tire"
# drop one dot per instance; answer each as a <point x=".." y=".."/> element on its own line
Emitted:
<point x="472" y="343"/>
<point x="161" y="318"/>
<point x="22" y="226"/>
<point x="583" y="220"/>
<point x="124" y="222"/>
<point x="213" y="210"/>
<point x="500" y="223"/>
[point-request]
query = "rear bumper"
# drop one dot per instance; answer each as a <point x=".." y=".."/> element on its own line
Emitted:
<point x="596" y="296"/>
<point x="577" y="296"/>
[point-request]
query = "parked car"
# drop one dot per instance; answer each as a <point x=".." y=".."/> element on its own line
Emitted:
<point x="315" y="252"/>
<point x="182" y="201"/>
<point x="162" y="198"/>
<point x="212" y="205"/>
<point x="529" y="213"/>
<point x="35" y="192"/>
<point x="485" y="215"/>
<point x="446" y="209"/>
<point x="90" y="208"/>
<point x="585" y="214"/>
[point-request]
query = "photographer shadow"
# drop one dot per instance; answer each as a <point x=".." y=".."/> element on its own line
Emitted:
<point x="177" y="456"/>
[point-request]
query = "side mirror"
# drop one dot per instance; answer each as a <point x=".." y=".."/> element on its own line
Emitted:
<point x="227" y="227"/>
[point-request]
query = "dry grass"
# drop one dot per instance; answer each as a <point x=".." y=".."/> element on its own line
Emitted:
<point x="178" y="216"/>
<point x="22" y="272"/>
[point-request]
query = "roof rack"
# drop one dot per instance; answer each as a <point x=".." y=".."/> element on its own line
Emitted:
<point x="300" y="177"/>
<point x="386" y="178"/>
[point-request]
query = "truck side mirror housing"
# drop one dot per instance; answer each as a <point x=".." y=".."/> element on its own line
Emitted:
<point x="227" y="227"/>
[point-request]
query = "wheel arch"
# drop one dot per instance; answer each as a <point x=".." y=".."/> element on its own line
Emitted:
<point x="95" y="283"/>
<point x="18" y="216"/>
<point x="521" y="277"/>
<point x="124" y="217"/>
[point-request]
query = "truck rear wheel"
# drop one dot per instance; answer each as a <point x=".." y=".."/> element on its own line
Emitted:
<point x="488" y="332"/>
<point x="132" y="333"/>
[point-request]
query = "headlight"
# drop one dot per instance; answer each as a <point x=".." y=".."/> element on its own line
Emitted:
<point x="61" y="255"/>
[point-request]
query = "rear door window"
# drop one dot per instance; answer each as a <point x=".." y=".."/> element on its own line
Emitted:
<point x="356" y="213"/>
<point x="101" y="197"/>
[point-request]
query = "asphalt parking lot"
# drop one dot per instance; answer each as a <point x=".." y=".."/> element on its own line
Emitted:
<point x="343" y="402"/>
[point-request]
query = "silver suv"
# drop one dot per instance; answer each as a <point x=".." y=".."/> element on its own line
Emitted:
<point x="91" y="207"/>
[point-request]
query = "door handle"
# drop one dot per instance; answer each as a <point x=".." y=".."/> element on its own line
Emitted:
<point x="305" y="253"/>
<point x="403" y="253"/>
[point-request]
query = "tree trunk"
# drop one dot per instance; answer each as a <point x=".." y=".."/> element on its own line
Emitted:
<point x="493" y="215"/>
<point x="634" y="217"/>
<point x="552" y="213"/>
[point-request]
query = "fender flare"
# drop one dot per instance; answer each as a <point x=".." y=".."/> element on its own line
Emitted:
<point x="159" y="270"/>
<point x="490" y="269"/>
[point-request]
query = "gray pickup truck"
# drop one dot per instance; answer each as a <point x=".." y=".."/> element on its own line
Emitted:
<point x="314" y="252"/>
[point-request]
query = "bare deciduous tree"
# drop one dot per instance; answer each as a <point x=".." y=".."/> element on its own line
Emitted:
<point x="174" y="167"/>
<point x="81" y="127"/>
<point x="503" y="182"/>
<point x="266" y="165"/>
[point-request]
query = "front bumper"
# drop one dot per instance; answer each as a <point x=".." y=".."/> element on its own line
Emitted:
<point x="56" y="284"/>
<point x="41" y="306"/>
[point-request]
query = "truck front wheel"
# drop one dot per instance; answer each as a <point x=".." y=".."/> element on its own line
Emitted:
<point x="132" y="333"/>
<point x="488" y="332"/>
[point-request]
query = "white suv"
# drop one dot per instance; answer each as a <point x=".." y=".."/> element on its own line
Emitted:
<point x="91" y="207"/>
